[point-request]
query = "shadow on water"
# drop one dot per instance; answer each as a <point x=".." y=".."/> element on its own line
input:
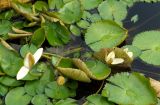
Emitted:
<point x="149" y="19"/>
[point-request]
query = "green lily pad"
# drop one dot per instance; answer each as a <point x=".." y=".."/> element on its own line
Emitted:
<point x="5" y="26"/>
<point x="18" y="96"/>
<point x="38" y="37"/>
<point x="67" y="101"/>
<point x="70" y="12"/>
<point x="40" y="5"/>
<point x="75" y="30"/>
<point x="93" y="68"/>
<point x="3" y="90"/>
<point x="104" y="34"/>
<point x="56" y="34"/>
<point x="53" y="90"/>
<point x="149" y="43"/>
<point x="11" y="62"/>
<point x="40" y="99"/>
<point x="113" y="10"/>
<point x="27" y="48"/>
<point x="83" y="24"/>
<point x="55" y="4"/>
<point x="9" y="81"/>
<point x="97" y="99"/>
<point x="90" y="4"/>
<point x="123" y="90"/>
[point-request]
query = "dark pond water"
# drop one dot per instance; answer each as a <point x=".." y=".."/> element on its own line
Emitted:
<point x="149" y="19"/>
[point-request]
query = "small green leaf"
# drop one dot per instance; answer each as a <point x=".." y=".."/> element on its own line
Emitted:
<point x="11" y="62"/>
<point x="75" y="30"/>
<point x="55" y="4"/>
<point x="70" y="12"/>
<point x="53" y="90"/>
<point x="149" y="43"/>
<point x="97" y="99"/>
<point x="40" y="99"/>
<point x="7" y="15"/>
<point x="38" y="37"/>
<point x="113" y="10"/>
<point x="18" y="96"/>
<point x="27" y="48"/>
<point x="90" y="4"/>
<point x="40" y="5"/>
<point x="123" y="90"/>
<point x="134" y="19"/>
<point x="9" y="81"/>
<point x="104" y="34"/>
<point x="83" y="24"/>
<point x="67" y="101"/>
<point x="5" y="27"/>
<point x="3" y="90"/>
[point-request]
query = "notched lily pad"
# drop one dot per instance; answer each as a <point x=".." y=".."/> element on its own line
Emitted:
<point x="18" y="96"/>
<point x="97" y="99"/>
<point x="149" y="43"/>
<point x="104" y="34"/>
<point x="122" y="89"/>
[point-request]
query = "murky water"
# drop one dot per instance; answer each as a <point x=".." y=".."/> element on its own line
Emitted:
<point x="149" y="19"/>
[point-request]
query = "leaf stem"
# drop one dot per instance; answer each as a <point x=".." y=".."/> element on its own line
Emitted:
<point x="72" y="51"/>
<point x="100" y="87"/>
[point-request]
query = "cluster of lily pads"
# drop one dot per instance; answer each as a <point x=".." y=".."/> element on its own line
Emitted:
<point x="32" y="75"/>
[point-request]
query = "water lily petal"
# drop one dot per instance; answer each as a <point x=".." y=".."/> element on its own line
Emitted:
<point x="22" y="72"/>
<point x="125" y="50"/>
<point x="37" y="55"/>
<point x="29" y="60"/>
<point x="110" y="56"/>
<point x="117" y="61"/>
<point x="130" y="54"/>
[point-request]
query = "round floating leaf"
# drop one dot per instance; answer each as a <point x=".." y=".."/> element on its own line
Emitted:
<point x="53" y="90"/>
<point x="9" y="81"/>
<point x="18" y="96"/>
<point x="104" y="34"/>
<point x="27" y="48"/>
<point x="90" y="4"/>
<point x="93" y="68"/>
<point x="113" y="10"/>
<point x="74" y="74"/>
<point x="40" y="5"/>
<point x="40" y="99"/>
<point x="75" y="30"/>
<point x="136" y="51"/>
<point x="149" y="43"/>
<point x="30" y="87"/>
<point x="5" y="26"/>
<point x="70" y="12"/>
<point x="97" y="99"/>
<point x="11" y="62"/>
<point x="38" y="37"/>
<point x="123" y="90"/>
<point x="67" y="101"/>
<point x="83" y="24"/>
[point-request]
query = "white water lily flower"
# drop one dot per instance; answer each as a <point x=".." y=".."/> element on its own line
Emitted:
<point x="130" y="54"/>
<point x="29" y="61"/>
<point x="111" y="57"/>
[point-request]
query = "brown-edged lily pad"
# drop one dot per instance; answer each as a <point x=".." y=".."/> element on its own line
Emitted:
<point x="93" y="68"/>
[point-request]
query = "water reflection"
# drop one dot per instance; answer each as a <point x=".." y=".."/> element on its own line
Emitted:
<point x="149" y="19"/>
